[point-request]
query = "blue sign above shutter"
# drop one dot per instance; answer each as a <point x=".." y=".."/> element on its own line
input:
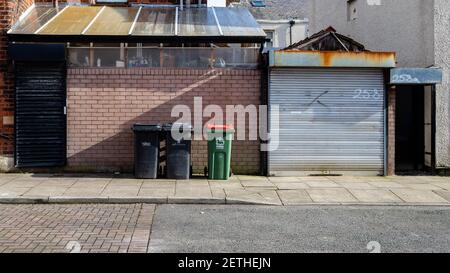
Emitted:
<point x="416" y="76"/>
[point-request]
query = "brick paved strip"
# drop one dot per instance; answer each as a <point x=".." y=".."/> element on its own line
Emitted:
<point x="82" y="228"/>
<point x="141" y="234"/>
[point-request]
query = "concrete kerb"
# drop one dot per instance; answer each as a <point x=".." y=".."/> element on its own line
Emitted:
<point x="237" y="201"/>
<point x="24" y="200"/>
<point x="184" y="200"/>
<point x="193" y="200"/>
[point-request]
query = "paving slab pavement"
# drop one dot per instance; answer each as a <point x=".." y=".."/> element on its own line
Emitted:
<point x="357" y="185"/>
<point x="418" y="196"/>
<point x="294" y="197"/>
<point x="331" y="195"/>
<point x="387" y="184"/>
<point x="46" y="191"/>
<point x="375" y="196"/>
<point x="13" y="191"/>
<point x="218" y="193"/>
<point x="159" y="192"/>
<point x="444" y="194"/>
<point x="291" y="185"/>
<point x="444" y="185"/>
<point x="121" y="191"/>
<point x="48" y="188"/>
<point x="424" y="186"/>
<point x="323" y="184"/>
<point x="91" y="190"/>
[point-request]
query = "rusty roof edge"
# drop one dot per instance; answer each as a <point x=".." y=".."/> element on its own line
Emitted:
<point x="307" y="58"/>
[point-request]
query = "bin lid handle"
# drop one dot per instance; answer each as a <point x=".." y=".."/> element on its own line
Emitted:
<point x="220" y="127"/>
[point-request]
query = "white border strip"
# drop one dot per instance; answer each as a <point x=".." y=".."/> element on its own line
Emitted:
<point x="135" y="20"/>
<point x="49" y="21"/>
<point x="176" y="21"/>
<point x="93" y="20"/>
<point x="217" y="21"/>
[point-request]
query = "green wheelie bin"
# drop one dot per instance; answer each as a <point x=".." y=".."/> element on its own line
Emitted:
<point x="219" y="151"/>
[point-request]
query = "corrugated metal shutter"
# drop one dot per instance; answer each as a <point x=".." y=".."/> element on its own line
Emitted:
<point x="40" y="114"/>
<point x="331" y="120"/>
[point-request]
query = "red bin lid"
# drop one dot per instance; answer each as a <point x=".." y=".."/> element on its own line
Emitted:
<point x="220" y="127"/>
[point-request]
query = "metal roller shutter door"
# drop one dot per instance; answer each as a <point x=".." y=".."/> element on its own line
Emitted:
<point x="40" y="117"/>
<point x="330" y="120"/>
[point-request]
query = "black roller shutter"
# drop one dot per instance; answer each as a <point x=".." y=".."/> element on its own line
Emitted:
<point x="40" y="139"/>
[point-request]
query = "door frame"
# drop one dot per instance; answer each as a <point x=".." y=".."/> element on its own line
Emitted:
<point x="39" y="53"/>
<point x="432" y="169"/>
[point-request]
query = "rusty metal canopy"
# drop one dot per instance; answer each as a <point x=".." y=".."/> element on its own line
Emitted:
<point x="141" y="23"/>
<point x="306" y="58"/>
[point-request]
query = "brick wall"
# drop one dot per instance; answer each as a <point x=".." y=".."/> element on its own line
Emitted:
<point x="391" y="131"/>
<point x="10" y="10"/>
<point x="104" y="103"/>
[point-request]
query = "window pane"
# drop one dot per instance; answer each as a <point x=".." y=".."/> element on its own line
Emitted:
<point x="144" y="57"/>
<point x="108" y="57"/>
<point x="79" y="57"/>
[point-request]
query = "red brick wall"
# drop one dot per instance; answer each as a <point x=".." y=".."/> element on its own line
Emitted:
<point x="391" y="131"/>
<point x="10" y="10"/>
<point x="104" y="103"/>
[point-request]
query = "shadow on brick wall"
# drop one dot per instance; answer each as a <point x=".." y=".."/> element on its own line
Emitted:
<point x="104" y="104"/>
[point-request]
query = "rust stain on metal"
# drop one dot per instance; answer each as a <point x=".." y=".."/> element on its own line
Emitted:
<point x="332" y="58"/>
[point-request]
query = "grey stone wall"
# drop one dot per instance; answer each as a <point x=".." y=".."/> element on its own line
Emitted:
<point x="403" y="26"/>
<point x="442" y="59"/>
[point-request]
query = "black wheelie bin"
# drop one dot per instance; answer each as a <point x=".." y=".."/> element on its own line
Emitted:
<point x="146" y="150"/>
<point x="178" y="150"/>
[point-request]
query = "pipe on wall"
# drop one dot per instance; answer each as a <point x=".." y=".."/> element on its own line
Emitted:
<point x="291" y="25"/>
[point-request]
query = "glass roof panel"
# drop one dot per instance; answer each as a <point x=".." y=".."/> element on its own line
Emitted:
<point x="197" y="22"/>
<point x="238" y="22"/>
<point x="113" y="21"/>
<point x="71" y="21"/>
<point x="35" y="19"/>
<point x="155" y="22"/>
<point x="151" y="21"/>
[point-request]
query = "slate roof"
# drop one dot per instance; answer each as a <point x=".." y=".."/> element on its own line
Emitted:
<point x="278" y="9"/>
<point x="328" y="40"/>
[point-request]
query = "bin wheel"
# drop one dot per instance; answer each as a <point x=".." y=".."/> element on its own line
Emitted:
<point x="205" y="171"/>
<point x="190" y="171"/>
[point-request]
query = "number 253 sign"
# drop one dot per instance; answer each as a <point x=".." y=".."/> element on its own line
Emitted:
<point x="366" y="94"/>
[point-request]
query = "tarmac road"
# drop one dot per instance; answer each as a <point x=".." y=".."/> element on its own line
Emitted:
<point x="206" y="228"/>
